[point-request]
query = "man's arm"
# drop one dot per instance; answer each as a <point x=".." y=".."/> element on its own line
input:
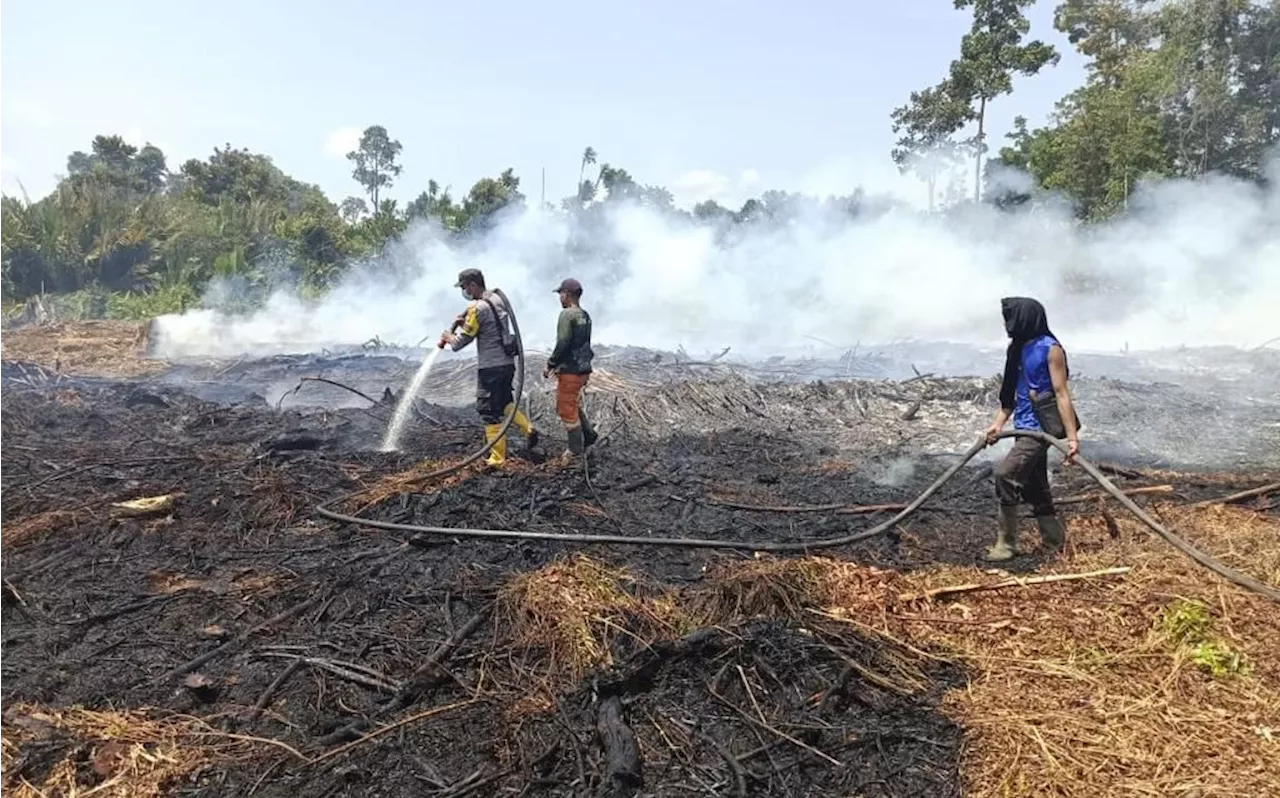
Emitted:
<point x="1058" y="375"/>
<point x="469" y="330"/>
<point x="564" y="336"/>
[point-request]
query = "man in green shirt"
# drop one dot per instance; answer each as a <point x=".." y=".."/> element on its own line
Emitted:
<point x="570" y="361"/>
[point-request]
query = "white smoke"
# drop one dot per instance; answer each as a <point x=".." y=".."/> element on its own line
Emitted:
<point x="1193" y="263"/>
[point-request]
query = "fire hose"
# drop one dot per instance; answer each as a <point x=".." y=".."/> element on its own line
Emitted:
<point x="1181" y="544"/>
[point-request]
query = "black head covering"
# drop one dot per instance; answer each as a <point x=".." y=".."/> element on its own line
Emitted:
<point x="1024" y="320"/>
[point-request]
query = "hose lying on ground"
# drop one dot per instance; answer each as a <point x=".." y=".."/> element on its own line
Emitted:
<point x="1217" y="567"/>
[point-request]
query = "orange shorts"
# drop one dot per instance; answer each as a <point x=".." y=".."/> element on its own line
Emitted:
<point x="568" y="394"/>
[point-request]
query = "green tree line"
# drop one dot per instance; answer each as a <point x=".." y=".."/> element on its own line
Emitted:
<point x="1174" y="89"/>
<point x="121" y="223"/>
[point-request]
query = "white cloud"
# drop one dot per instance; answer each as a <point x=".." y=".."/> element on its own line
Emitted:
<point x="342" y="141"/>
<point x="698" y="185"/>
<point x="29" y="112"/>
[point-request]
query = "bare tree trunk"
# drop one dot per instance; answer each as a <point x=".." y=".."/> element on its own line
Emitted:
<point x="977" y="161"/>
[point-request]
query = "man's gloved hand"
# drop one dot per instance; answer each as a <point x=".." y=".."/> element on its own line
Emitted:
<point x="446" y="338"/>
<point x="547" y="372"/>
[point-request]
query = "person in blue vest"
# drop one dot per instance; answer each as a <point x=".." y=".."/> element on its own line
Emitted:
<point x="1034" y="392"/>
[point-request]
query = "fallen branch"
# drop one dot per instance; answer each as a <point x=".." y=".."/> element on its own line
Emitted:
<point x="1091" y="497"/>
<point x="919" y="377"/>
<point x="474" y="783"/>
<point x="392" y="727"/>
<point x="265" y="699"/>
<point x="619" y="743"/>
<point x="1013" y="581"/>
<point x="910" y="413"/>
<point x="776" y="732"/>
<point x="1241" y="496"/>
<point x="648" y="479"/>
<point x="239" y="640"/>
<point x="342" y="670"/>
<point x="1122" y="471"/>
<point x="334" y="383"/>
<point x="418" y="682"/>
<point x="735" y="767"/>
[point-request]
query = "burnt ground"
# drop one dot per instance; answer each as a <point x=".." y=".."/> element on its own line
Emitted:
<point x="239" y="606"/>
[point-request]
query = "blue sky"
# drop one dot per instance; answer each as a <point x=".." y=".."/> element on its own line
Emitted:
<point x="711" y="98"/>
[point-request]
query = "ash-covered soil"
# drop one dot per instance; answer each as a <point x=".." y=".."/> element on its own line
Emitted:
<point x="237" y="605"/>
<point x="1188" y="409"/>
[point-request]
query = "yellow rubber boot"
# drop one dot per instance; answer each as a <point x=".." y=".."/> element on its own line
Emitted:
<point x="498" y="454"/>
<point x="521" y="421"/>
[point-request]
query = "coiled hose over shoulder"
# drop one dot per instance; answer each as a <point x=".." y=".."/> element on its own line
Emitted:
<point x="325" y="510"/>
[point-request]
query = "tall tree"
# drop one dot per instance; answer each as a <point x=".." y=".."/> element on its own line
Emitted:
<point x="588" y="158"/>
<point x="1210" y="124"/>
<point x="113" y="162"/>
<point x="488" y="196"/>
<point x="925" y="126"/>
<point x="375" y="162"/>
<point x="352" y="208"/>
<point x="1259" y="91"/>
<point x="237" y="176"/>
<point x="991" y="53"/>
<point x="1108" y="32"/>
<point x="437" y="203"/>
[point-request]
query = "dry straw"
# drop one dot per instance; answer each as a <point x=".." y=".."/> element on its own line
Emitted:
<point x="109" y="754"/>
<point x="1161" y="682"/>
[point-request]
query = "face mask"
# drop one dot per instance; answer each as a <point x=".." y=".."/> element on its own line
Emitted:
<point x="464" y="293"/>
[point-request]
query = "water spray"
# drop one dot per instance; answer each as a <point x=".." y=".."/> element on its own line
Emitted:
<point x="391" y="441"/>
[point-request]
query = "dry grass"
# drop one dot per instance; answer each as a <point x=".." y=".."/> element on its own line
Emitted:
<point x="410" y="481"/>
<point x="834" y="466"/>
<point x="572" y="611"/>
<point x="1163" y="682"/>
<point x="79" y="752"/>
<point x="35" y="527"/>
<point x="68" y="397"/>
<point x="772" y="587"/>
<point x="95" y="348"/>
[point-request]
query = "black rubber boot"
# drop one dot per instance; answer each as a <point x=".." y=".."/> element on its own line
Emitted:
<point x="576" y="442"/>
<point x="1052" y="533"/>
<point x="589" y="436"/>
<point x="1006" y="545"/>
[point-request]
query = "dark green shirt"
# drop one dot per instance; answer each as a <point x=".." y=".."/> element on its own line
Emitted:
<point x="572" y="354"/>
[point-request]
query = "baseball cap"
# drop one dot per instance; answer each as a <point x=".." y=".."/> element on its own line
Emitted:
<point x="569" y="284"/>
<point x="469" y="276"/>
